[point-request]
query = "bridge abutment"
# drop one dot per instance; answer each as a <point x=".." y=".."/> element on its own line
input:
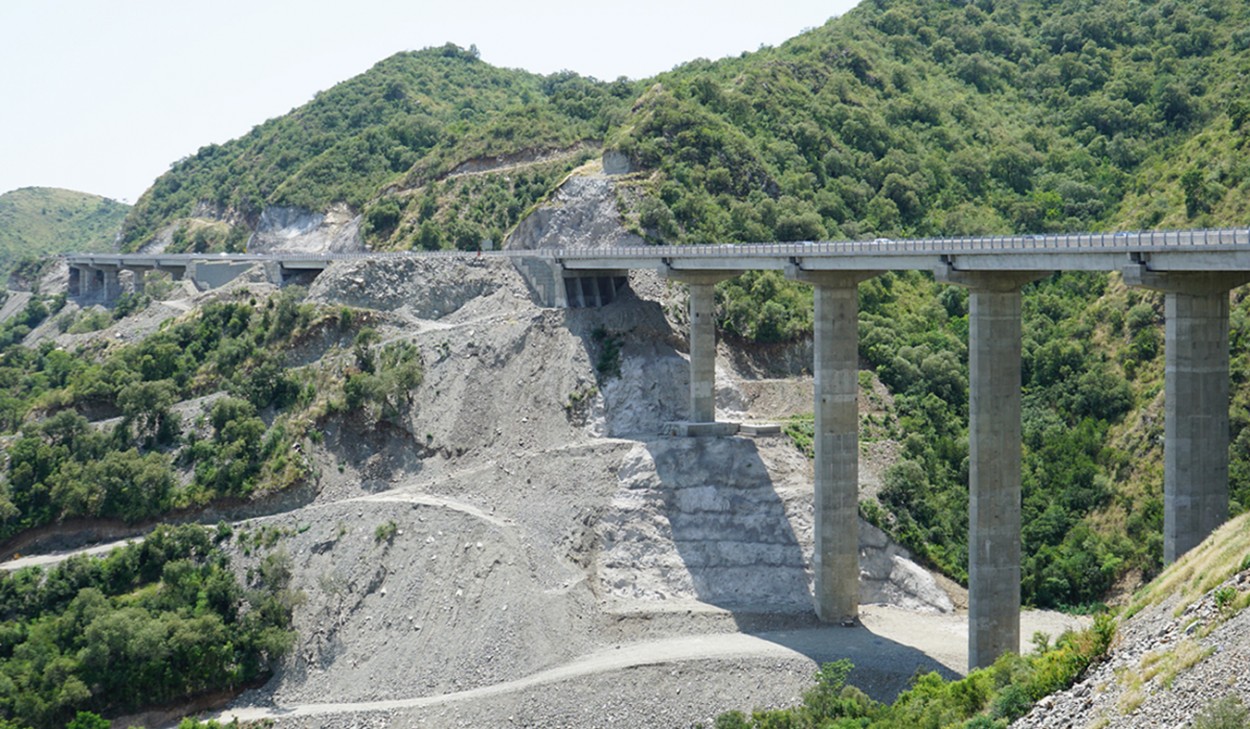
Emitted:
<point x="1196" y="397"/>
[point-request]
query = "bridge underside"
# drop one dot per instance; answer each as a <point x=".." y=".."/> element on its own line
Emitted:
<point x="103" y="281"/>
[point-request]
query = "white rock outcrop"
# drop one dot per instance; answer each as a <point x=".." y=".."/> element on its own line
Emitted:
<point x="296" y="230"/>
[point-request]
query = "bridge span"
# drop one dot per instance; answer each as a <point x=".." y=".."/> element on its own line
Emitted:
<point x="1194" y="269"/>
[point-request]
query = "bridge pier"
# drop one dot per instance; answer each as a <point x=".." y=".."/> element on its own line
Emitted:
<point x="1196" y="397"/>
<point x="702" y="286"/>
<point x="703" y="352"/>
<point x="835" y="558"/>
<point x="75" y="283"/>
<point x="91" y="282"/>
<point x="138" y="278"/>
<point x="112" y="283"/>
<point x="994" y="456"/>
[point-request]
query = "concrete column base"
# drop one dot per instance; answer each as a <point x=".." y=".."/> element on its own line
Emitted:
<point x="687" y="429"/>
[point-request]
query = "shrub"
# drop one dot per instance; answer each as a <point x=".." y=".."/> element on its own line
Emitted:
<point x="386" y="532"/>
<point x="1227" y="713"/>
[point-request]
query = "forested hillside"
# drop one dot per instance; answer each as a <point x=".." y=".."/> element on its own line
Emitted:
<point x="407" y="121"/>
<point x="904" y="117"/>
<point x="37" y="221"/>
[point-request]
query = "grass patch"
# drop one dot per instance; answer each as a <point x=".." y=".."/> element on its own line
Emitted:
<point x="1166" y="665"/>
<point x="386" y="532"/>
<point x="801" y="430"/>
<point x="608" y="363"/>
<point x="1201" y="570"/>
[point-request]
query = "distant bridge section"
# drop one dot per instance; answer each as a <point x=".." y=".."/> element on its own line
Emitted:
<point x="99" y="276"/>
<point x="1195" y="270"/>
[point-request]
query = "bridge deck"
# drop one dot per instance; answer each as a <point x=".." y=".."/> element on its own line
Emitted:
<point x="1185" y="250"/>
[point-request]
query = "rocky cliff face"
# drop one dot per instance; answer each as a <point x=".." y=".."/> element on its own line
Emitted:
<point x="1179" y="659"/>
<point x="581" y="214"/>
<point x="294" y="230"/>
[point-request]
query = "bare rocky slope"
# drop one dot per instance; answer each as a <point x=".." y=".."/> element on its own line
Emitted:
<point x="554" y="561"/>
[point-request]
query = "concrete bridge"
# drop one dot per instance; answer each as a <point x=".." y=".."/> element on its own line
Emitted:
<point x="1196" y="270"/>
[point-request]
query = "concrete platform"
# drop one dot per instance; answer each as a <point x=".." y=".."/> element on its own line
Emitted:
<point x="688" y="429"/>
<point x="759" y="430"/>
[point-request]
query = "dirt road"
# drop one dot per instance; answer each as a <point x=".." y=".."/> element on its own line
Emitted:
<point x="888" y="648"/>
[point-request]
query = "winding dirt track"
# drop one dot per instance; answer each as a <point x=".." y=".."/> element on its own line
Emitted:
<point x="888" y="637"/>
<point x="673" y="650"/>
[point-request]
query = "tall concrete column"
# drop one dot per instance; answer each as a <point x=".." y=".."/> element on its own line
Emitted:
<point x="702" y="352"/>
<point x="138" y="279"/>
<point x="994" y="475"/>
<point x="1196" y="397"/>
<point x="702" y="340"/>
<point x="835" y="559"/>
<point x="112" y="283"/>
<point x="75" y="285"/>
<point x="994" y="456"/>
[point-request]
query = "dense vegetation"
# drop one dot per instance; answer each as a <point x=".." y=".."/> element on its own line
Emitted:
<point x="39" y="221"/>
<point x="61" y="466"/>
<point x="1075" y="393"/>
<point x="153" y="622"/>
<point x="463" y="211"/>
<point x="908" y="117"/>
<point x="987" y="698"/>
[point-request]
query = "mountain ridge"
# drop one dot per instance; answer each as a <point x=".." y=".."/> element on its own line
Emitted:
<point x="38" y="221"/>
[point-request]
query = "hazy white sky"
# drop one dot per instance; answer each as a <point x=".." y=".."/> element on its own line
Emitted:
<point x="103" y="95"/>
